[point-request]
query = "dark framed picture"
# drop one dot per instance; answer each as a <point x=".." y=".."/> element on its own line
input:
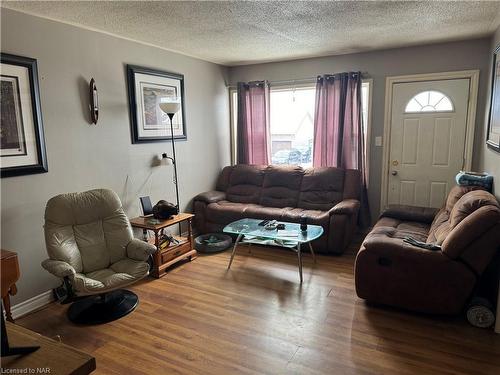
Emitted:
<point x="147" y="88"/>
<point x="22" y="142"/>
<point x="493" y="133"/>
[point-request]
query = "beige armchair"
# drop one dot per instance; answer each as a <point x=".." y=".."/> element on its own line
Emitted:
<point x="91" y="247"/>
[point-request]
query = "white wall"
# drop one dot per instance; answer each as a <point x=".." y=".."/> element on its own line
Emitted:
<point x="83" y="156"/>
<point x="489" y="160"/>
<point x="465" y="55"/>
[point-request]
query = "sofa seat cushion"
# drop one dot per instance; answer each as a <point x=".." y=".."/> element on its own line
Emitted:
<point x="394" y="228"/>
<point x="262" y="212"/>
<point x="314" y="217"/>
<point x="224" y="212"/>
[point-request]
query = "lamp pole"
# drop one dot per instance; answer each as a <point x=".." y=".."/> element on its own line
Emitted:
<point x="171" y="116"/>
<point x="171" y="106"/>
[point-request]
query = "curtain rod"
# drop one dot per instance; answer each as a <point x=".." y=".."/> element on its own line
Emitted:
<point x="293" y="81"/>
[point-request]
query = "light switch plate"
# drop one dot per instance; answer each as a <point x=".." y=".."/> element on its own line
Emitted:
<point x="378" y="141"/>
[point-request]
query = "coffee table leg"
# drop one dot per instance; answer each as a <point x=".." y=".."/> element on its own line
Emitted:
<point x="312" y="252"/>
<point x="234" y="250"/>
<point x="299" y="255"/>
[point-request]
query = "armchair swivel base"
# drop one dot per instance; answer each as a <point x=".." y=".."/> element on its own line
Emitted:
<point x="103" y="308"/>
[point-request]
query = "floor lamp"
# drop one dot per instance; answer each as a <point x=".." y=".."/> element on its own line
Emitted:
<point x="171" y="106"/>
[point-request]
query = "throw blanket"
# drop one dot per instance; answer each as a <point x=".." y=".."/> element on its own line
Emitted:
<point x="475" y="179"/>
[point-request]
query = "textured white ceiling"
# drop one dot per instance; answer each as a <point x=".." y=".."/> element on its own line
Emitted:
<point x="237" y="32"/>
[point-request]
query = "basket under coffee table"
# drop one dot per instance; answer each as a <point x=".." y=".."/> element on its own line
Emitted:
<point x="250" y="231"/>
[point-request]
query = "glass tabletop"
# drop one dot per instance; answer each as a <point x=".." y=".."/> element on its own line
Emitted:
<point x="292" y="232"/>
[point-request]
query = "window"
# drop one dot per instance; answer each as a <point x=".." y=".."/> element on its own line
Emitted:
<point x="429" y="101"/>
<point x="292" y="122"/>
<point x="292" y="125"/>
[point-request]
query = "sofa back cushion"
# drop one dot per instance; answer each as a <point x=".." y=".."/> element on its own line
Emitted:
<point x="456" y="193"/>
<point x="352" y="184"/>
<point x="322" y="188"/>
<point x="318" y="188"/>
<point x="472" y="216"/>
<point x="245" y="183"/>
<point x="224" y="178"/>
<point x="441" y="225"/>
<point x="281" y="186"/>
<point x="469" y="203"/>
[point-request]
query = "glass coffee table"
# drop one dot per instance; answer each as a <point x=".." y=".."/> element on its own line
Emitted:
<point x="249" y="231"/>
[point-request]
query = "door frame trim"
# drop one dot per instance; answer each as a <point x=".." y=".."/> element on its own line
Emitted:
<point x="472" y="75"/>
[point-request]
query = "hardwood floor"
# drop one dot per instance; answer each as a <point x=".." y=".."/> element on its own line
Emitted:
<point x="257" y="319"/>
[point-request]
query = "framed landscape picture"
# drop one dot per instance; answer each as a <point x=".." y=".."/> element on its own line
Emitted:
<point x="147" y="88"/>
<point x="22" y="142"/>
<point x="493" y="134"/>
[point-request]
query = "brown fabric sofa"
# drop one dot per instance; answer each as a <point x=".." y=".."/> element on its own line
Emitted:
<point x="325" y="196"/>
<point x="392" y="272"/>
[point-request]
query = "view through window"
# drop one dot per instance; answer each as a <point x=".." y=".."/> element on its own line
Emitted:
<point x="292" y="125"/>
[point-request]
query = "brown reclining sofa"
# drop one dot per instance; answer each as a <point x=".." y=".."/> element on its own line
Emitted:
<point x="392" y="272"/>
<point x="325" y="196"/>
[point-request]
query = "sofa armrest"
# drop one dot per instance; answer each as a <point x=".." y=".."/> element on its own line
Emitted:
<point x="59" y="268"/>
<point x="411" y="213"/>
<point x="139" y="250"/>
<point x="211" y="196"/>
<point x="346" y="207"/>
<point x="385" y="246"/>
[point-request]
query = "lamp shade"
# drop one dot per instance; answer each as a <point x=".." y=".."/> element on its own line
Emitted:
<point x="164" y="159"/>
<point x="167" y="161"/>
<point x="170" y="107"/>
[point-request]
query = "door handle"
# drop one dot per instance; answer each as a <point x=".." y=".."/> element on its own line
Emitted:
<point x="394" y="173"/>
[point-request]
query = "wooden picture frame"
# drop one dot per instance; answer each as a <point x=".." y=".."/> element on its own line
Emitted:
<point x="22" y="145"/>
<point x="493" y="131"/>
<point x="146" y="87"/>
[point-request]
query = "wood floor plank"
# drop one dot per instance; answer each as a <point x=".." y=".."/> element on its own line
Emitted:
<point x="256" y="318"/>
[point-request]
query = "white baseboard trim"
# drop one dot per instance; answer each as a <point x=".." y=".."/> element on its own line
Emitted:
<point x="21" y="309"/>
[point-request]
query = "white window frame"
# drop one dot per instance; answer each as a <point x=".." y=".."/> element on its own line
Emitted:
<point x="434" y="110"/>
<point x="368" y="82"/>
<point x="233" y="122"/>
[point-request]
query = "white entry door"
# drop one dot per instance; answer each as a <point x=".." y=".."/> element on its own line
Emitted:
<point x="427" y="140"/>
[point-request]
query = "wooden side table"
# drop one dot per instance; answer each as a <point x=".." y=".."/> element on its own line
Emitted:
<point x="9" y="275"/>
<point x="173" y="253"/>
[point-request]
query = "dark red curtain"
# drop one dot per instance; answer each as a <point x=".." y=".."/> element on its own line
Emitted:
<point x="253" y="137"/>
<point x="339" y="139"/>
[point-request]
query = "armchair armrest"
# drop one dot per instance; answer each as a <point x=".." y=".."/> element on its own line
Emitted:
<point x="59" y="268"/>
<point x="346" y="207"/>
<point x="211" y="196"/>
<point x="411" y="213"/>
<point x="139" y="250"/>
